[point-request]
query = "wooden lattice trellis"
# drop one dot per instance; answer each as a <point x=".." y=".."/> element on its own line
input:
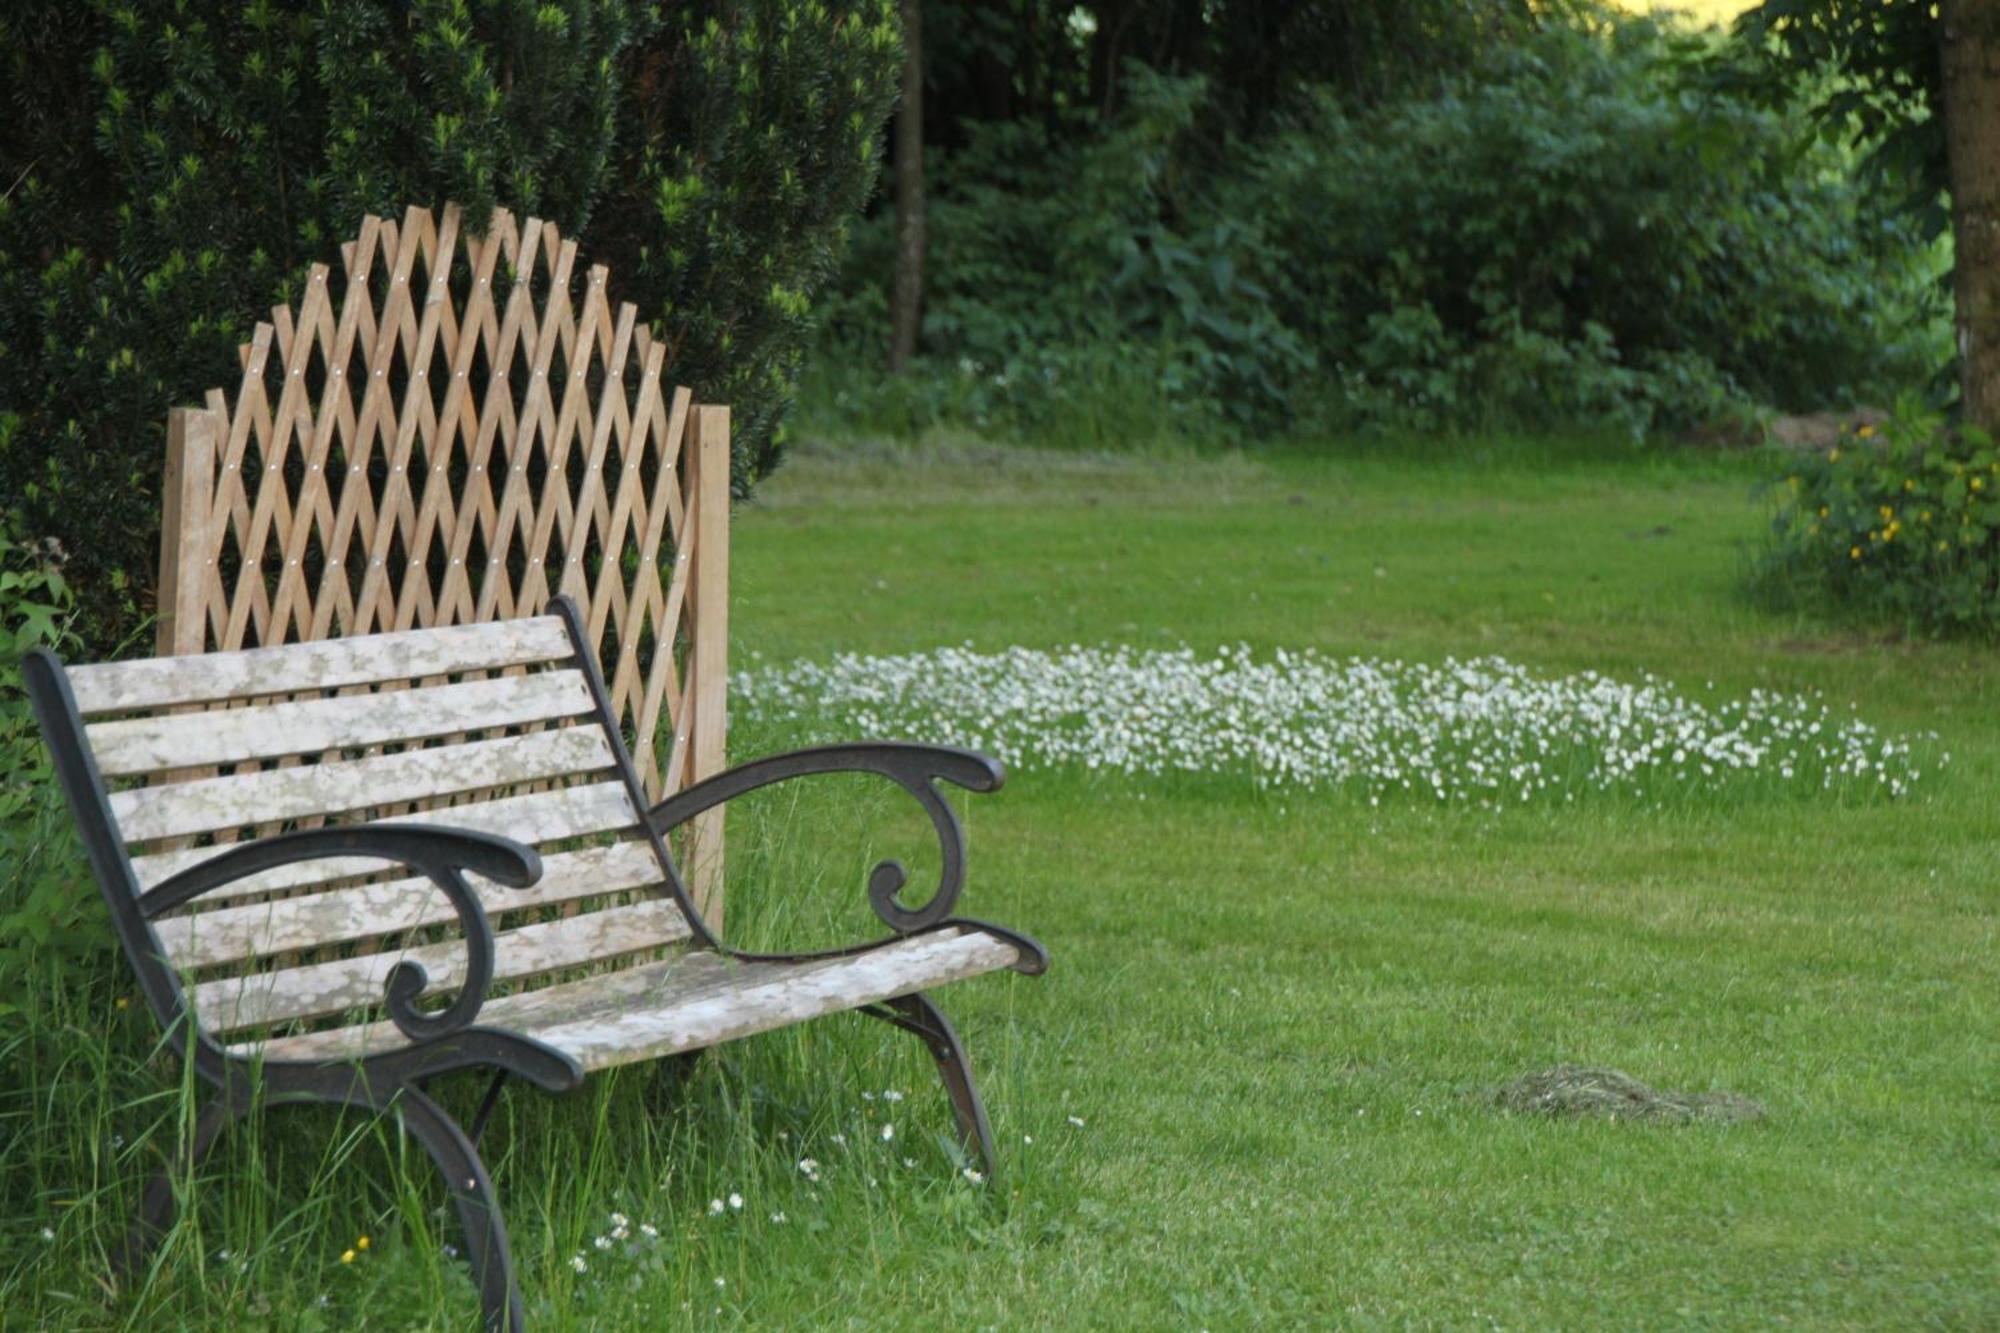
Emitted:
<point x="450" y="432"/>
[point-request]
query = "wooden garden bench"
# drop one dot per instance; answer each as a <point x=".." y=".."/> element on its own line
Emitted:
<point x="294" y="840"/>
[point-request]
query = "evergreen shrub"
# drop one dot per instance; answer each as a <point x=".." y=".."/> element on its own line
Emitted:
<point x="170" y="168"/>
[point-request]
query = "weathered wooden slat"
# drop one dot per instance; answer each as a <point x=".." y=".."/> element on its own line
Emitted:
<point x="159" y="682"/>
<point x="688" y="1002"/>
<point x="693" y="972"/>
<point x="319" y="989"/>
<point x="235" y="800"/>
<point x="228" y="736"/>
<point x="571" y="812"/>
<point x="259" y="930"/>
<point x="760" y="1003"/>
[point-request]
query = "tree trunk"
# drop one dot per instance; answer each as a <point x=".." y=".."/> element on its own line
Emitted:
<point x="1970" y="37"/>
<point x="906" y="301"/>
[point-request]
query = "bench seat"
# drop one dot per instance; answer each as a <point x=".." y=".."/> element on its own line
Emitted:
<point x="686" y="1003"/>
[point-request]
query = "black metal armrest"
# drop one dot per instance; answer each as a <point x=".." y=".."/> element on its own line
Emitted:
<point x="915" y="768"/>
<point x="440" y="853"/>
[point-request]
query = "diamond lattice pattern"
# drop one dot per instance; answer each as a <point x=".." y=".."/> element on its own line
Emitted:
<point x="456" y="429"/>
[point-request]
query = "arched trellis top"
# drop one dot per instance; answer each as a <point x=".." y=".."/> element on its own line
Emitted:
<point x="456" y="428"/>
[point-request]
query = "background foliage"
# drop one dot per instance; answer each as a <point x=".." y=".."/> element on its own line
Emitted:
<point x="171" y="167"/>
<point x="1548" y="217"/>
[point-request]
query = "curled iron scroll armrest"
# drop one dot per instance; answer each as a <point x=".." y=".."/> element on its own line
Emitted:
<point x="915" y="768"/>
<point x="441" y="854"/>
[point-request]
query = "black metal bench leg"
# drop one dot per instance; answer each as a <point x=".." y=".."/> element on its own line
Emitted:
<point x="915" y="1013"/>
<point x="478" y="1210"/>
<point x="157" y="1204"/>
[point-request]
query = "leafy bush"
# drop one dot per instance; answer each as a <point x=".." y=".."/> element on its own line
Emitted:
<point x="1069" y="272"/>
<point x="1900" y="525"/>
<point x="754" y="138"/>
<point x="51" y="916"/>
<point x="1584" y="228"/>
<point x="1575" y="231"/>
<point x="171" y="167"/>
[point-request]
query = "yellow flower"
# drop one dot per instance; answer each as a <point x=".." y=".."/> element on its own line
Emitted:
<point x="1865" y="431"/>
<point x="1886" y="513"/>
<point x="1833" y="455"/>
<point x="361" y="1244"/>
<point x="1854" y="553"/>
<point x="1909" y="484"/>
<point x="123" y="1004"/>
<point x="347" y="1256"/>
<point x="1822" y="511"/>
<point x="1924" y="517"/>
<point x="1943" y="544"/>
<point x="1979" y="483"/>
<point x="1889" y="533"/>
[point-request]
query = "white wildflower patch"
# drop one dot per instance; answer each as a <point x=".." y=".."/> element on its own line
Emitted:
<point x="1483" y="730"/>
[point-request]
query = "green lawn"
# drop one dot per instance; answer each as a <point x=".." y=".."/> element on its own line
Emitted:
<point x="1278" y="1016"/>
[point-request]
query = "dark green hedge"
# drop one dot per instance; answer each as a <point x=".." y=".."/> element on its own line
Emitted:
<point x="168" y="169"/>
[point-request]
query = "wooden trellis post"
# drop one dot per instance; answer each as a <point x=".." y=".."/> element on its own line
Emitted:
<point x="451" y="432"/>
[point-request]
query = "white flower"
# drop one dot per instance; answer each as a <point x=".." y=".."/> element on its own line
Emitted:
<point x="715" y="1207"/>
<point x="976" y="1177"/>
<point x="49" y="1234"/>
<point x="1028" y="1139"/>
<point x="1481" y="731"/>
<point x="1076" y="1120"/>
<point x="736" y="1201"/>
<point x="910" y="1163"/>
<point x="888" y="1132"/>
<point x="576" y="1262"/>
<point x="891" y="1095"/>
<point x="721" y="1282"/>
<point x="620" y="1220"/>
<point x="602" y="1242"/>
<point x="809" y="1169"/>
<point x="777" y="1219"/>
<point x="649" y="1231"/>
<point x="840" y="1140"/>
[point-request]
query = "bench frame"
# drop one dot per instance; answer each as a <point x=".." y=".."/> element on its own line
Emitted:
<point x="451" y="1040"/>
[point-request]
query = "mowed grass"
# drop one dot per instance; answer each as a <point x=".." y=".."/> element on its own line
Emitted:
<point x="1281" y="1015"/>
<point x="1278" y="1016"/>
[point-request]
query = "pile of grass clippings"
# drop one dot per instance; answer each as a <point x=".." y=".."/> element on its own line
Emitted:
<point x="1575" y="1091"/>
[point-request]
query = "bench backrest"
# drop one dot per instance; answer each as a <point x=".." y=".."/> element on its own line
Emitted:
<point x="453" y="427"/>
<point x="497" y="727"/>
